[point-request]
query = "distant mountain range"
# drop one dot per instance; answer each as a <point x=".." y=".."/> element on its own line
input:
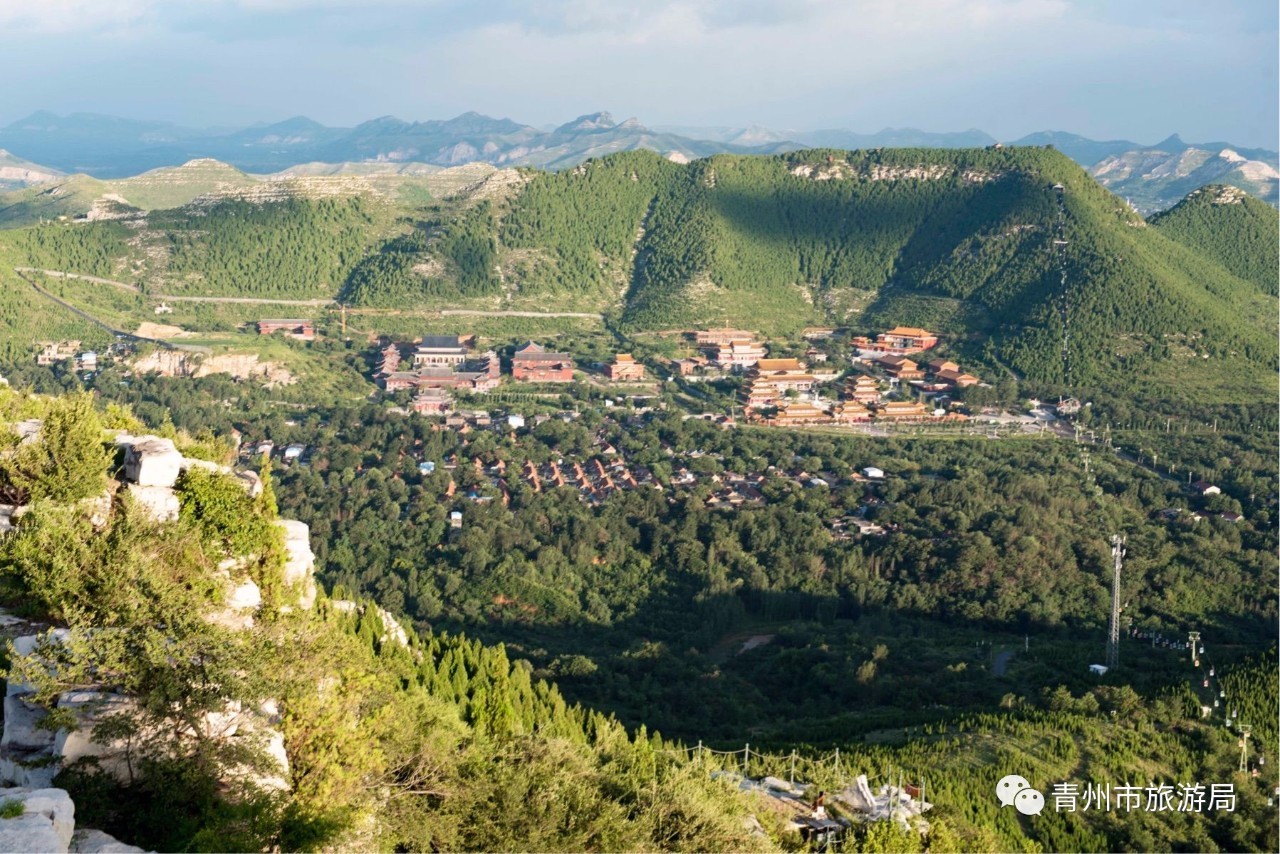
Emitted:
<point x="1152" y="177"/>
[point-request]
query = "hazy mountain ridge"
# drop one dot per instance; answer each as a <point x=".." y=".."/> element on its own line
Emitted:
<point x="111" y="147"/>
<point x="1153" y="177"/>
<point x="1157" y="177"/>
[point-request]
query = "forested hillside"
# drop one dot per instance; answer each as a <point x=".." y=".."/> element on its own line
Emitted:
<point x="961" y="241"/>
<point x="884" y="647"/>
<point x="1231" y="227"/>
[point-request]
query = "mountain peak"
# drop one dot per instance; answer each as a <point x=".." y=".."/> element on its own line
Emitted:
<point x="1171" y="143"/>
<point x="588" y="122"/>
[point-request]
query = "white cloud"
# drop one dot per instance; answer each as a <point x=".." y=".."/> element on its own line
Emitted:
<point x="48" y="17"/>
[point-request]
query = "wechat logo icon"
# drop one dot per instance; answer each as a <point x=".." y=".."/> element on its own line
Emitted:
<point x="1015" y="791"/>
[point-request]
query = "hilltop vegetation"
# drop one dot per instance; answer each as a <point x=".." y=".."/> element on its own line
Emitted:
<point x="1231" y="227"/>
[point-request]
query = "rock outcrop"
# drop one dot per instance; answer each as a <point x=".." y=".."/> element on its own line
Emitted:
<point x="48" y="824"/>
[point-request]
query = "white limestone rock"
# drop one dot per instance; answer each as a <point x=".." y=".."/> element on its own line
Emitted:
<point x="46" y="825"/>
<point x="152" y="461"/>
<point x="300" y="562"/>
<point x="90" y="707"/>
<point x="30" y="833"/>
<point x="206" y="465"/>
<point x="24" y="646"/>
<point x="245" y="596"/>
<point x="34" y="776"/>
<point x="89" y="841"/>
<point x="251" y="482"/>
<point x="21" y="730"/>
<point x="160" y="502"/>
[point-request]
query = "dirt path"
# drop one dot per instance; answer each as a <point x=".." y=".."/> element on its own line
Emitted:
<point x="134" y="289"/>
<point x="308" y="303"/>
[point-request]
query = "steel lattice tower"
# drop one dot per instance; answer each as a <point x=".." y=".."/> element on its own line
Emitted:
<point x="1113" y="630"/>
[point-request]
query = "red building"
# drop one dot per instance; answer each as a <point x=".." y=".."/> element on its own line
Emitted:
<point x="303" y="330"/>
<point x="432" y="401"/>
<point x="624" y="368"/>
<point x="532" y="363"/>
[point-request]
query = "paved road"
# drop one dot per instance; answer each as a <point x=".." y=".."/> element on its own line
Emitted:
<point x="1001" y="662"/>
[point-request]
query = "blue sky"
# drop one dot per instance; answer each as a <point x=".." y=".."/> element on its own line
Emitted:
<point x="1135" y="69"/>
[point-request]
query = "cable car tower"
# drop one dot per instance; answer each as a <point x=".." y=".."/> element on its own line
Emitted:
<point x="1113" y="629"/>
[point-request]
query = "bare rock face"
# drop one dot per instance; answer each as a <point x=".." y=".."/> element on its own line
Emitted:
<point x="300" y="562"/>
<point x="47" y="823"/>
<point x="160" y="502"/>
<point x="152" y="461"/>
<point x="21" y="731"/>
<point x="90" y="707"/>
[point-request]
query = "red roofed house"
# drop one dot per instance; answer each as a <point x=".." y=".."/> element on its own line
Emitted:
<point x="624" y="368"/>
<point x="532" y="363"/>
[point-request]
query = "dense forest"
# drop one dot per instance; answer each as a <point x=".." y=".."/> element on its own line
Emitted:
<point x="884" y="647"/>
<point x="1231" y="227"/>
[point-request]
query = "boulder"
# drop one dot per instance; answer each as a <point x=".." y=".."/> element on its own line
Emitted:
<point x="89" y="841"/>
<point x="152" y="461"/>
<point x="251" y="482"/>
<point x="30" y="833"/>
<point x="90" y="707"/>
<point x="300" y="562"/>
<point x="21" y="730"/>
<point x="46" y="825"/>
<point x="160" y="502"/>
<point x="24" y="772"/>
<point x="246" y="596"/>
<point x="211" y="467"/>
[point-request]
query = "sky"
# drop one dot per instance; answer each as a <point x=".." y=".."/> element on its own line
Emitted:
<point x="1106" y="69"/>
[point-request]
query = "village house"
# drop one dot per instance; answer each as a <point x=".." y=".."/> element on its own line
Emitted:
<point x="688" y="367"/>
<point x="624" y="368"/>
<point x="532" y="363"/>
<point x="302" y="330"/>
<point x="57" y="351"/>
<point x="440" y="350"/>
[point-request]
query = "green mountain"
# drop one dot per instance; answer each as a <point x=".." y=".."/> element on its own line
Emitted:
<point x="1231" y="227"/>
<point x="961" y="241"/>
